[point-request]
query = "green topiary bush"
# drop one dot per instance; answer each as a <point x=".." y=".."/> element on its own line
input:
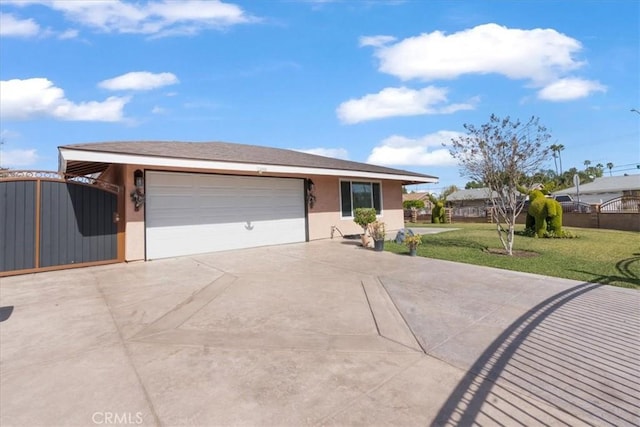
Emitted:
<point x="544" y="216"/>
<point x="438" y="213"/>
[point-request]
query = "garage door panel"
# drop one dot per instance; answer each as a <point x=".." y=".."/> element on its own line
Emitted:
<point x="171" y="215"/>
<point x="208" y="237"/>
<point x="199" y="213"/>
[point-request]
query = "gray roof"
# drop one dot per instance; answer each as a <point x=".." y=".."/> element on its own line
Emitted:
<point x="470" y="194"/>
<point x="606" y="184"/>
<point x="415" y="196"/>
<point x="231" y="152"/>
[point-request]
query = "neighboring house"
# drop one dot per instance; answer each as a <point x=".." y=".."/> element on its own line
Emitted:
<point x="423" y="196"/>
<point x="474" y="197"/>
<point x="473" y="202"/>
<point x="185" y="198"/>
<point x="604" y="189"/>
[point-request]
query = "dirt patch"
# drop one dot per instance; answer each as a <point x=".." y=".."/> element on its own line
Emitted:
<point x="516" y="253"/>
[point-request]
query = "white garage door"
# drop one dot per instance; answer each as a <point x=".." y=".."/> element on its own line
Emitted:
<point x="190" y="213"/>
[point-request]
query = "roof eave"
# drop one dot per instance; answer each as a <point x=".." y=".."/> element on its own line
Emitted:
<point x="71" y="155"/>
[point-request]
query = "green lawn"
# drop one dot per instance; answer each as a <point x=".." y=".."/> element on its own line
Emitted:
<point x="604" y="256"/>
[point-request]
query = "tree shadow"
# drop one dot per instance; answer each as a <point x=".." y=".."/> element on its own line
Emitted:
<point x="628" y="275"/>
<point x="624" y="267"/>
<point x="460" y="243"/>
<point x="573" y="356"/>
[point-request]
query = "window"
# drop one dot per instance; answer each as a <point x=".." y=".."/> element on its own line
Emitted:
<point x="354" y="194"/>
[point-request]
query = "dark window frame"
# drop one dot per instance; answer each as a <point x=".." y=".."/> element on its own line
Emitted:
<point x="347" y="203"/>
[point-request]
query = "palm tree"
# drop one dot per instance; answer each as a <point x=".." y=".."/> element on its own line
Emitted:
<point x="599" y="169"/>
<point x="587" y="163"/>
<point x="610" y="166"/>
<point x="559" y="148"/>
<point x="554" y="149"/>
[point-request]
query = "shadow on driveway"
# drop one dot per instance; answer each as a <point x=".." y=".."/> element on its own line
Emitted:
<point x="577" y="351"/>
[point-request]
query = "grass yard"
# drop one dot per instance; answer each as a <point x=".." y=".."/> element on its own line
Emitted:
<point x="604" y="256"/>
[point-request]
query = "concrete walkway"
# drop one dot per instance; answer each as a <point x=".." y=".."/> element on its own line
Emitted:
<point x="324" y="333"/>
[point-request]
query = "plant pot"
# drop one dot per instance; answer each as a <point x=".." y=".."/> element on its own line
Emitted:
<point x="378" y="245"/>
<point x="413" y="251"/>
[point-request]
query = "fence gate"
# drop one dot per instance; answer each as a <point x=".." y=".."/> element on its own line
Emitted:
<point x="49" y="221"/>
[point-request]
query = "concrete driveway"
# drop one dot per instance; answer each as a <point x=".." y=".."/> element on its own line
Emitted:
<point x="324" y="333"/>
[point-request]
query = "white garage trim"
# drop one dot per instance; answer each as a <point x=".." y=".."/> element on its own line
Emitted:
<point x="190" y="213"/>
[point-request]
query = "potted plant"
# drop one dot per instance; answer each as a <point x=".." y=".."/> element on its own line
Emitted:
<point x="363" y="217"/>
<point x="378" y="233"/>
<point x="413" y="242"/>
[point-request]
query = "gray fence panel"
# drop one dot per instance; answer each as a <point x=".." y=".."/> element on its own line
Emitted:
<point x="17" y="225"/>
<point x="77" y="224"/>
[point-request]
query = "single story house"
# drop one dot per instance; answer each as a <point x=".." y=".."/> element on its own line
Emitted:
<point x="417" y="195"/>
<point x="183" y="198"/>
<point x="604" y="189"/>
<point x="473" y="197"/>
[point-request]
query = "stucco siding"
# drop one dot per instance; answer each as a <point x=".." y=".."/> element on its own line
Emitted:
<point x="323" y="218"/>
<point x="325" y="215"/>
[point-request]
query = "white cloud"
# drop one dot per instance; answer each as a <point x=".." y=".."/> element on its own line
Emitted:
<point x="68" y="34"/>
<point x="336" y="153"/>
<point x="153" y="17"/>
<point x="401" y="101"/>
<point x="18" y="158"/>
<point x="399" y="150"/>
<point x="538" y="55"/>
<point x="569" y="89"/>
<point x="213" y="12"/>
<point x="376" y="41"/>
<point x="158" y="110"/>
<point x="10" y="26"/>
<point x="36" y="97"/>
<point x="139" y="80"/>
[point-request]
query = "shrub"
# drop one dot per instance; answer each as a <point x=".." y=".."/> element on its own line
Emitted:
<point x="544" y="215"/>
<point x="377" y="230"/>
<point x="438" y="213"/>
<point x="364" y="216"/>
<point x="408" y="204"/>
<point x="413" y="241"/>
<point x="548" y="234"/>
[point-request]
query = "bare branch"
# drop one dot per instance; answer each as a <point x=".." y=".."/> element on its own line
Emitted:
<point x="502" y="153"/>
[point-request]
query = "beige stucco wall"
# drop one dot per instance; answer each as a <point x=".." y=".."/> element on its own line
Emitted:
<point x="326" y="212"/>
<point x="322" y="217"/>
<point x="134" y="227"/>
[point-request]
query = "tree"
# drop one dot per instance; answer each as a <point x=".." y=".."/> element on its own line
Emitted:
<point x="502" y="153"/>
<point x="560" y="148"/>
<point x="447" y="191"/>
<point x="599" y="170"/>
<point x="556" y="149"/>
<point x="554" y="152"/>
<point x="472" y="184"/>
<point x="609" y="166"/>
<point x="408" y="204"/>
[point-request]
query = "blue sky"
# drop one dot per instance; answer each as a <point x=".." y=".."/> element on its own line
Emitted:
<point x="384" y="82"/>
